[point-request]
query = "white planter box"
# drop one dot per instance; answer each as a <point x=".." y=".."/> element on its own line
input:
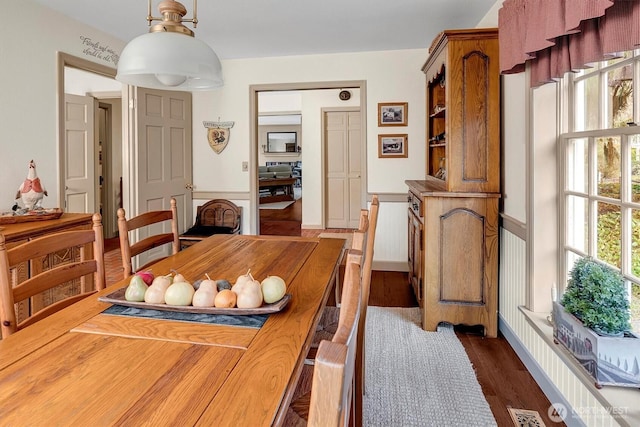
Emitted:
<point x="609" y="360"/>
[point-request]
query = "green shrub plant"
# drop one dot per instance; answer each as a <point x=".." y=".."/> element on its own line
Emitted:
<point x="596" y="295"/>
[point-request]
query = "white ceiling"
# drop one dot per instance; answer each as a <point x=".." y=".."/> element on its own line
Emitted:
<point x="263" y="28"/>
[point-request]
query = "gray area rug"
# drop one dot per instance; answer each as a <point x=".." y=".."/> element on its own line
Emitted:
<point x="418" y="378"/>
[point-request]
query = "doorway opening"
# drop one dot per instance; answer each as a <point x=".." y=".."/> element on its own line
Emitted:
<point x="279" y="164"/>
<point x="312" y="156"/>
<point x="90" y="151"/>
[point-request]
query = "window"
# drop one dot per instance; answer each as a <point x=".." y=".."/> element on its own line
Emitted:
<point x="601" y="151"/>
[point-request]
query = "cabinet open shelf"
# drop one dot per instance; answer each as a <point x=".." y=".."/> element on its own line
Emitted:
<point x="439" y="114"/>
<point x="436" y="122"/>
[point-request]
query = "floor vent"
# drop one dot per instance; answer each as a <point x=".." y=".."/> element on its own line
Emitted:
<point x="525" y="418"/>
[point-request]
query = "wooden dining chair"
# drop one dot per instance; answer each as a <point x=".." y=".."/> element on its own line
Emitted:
<point x="366" y="289"/>
<point x="330" y="400"/>
<point x="217" y="216"/>
<point x="144" y="223"/>
<point x="328" y="323"/>
<point x="364" y="240"/>
<point x="87" y="270"/>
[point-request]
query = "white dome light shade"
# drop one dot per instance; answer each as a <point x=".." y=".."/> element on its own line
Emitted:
<point x="169" y="61"/>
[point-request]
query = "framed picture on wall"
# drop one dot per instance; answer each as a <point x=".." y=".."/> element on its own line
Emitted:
<point x="392" y="113"/>
<point x="392" y="145"/>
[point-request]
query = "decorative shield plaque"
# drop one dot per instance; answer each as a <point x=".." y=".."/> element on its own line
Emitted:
<point x="218" y="134"/>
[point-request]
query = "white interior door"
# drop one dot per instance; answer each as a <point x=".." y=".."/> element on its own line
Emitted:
<point x="163" y="158"/>
<point x="79" y="154"/>
<point x="344" y="168"/>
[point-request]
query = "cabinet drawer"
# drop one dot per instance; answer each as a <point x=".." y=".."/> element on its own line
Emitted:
<point x="415" y="204"/>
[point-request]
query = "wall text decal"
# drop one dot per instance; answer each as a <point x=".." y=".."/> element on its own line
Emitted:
<point x="98" y="50"/>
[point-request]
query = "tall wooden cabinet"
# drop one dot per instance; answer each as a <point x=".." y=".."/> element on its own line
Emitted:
<point x="453" y="211"/>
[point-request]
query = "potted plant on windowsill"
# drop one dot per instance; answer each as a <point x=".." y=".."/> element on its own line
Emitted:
<point x="592" y="322"/>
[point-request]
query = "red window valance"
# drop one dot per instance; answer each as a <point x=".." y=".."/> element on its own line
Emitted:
<point x="557" y="36"/>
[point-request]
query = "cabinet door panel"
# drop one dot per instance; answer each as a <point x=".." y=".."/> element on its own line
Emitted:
<point x="460" y="262"/>
<point x="462" y="256"/>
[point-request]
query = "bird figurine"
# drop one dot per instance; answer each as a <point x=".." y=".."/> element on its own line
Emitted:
<point x="31" y="191"/>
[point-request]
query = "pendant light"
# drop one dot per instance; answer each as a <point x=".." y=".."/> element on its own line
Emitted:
<point x="169" y="57"/>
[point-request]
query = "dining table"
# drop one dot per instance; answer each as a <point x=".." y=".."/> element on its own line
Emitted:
<point x="100" y="363"/>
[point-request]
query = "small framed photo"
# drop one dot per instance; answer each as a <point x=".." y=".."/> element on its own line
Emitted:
<point x="392" y="145"/>
<point x="392" y="113"/>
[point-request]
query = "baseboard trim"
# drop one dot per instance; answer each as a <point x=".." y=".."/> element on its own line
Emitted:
<point x="536" y="371"/>
<point x="401" y="266"/>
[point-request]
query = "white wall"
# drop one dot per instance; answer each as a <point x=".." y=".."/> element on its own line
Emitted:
<point x="514" y="149"/>
<point x="384" y="83"/>
<point x="28" y="106"/>
<point x="391" y="76"/>
<point x="79" y="82"/>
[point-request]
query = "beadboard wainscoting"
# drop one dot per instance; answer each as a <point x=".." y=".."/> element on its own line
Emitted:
<point x="560" y="380"/>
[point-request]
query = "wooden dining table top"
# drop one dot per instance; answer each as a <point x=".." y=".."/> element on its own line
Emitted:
<point x="81" y="366"/>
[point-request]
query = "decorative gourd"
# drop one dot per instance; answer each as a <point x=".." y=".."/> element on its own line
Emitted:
<point x="249" y="292"/>
<point x="179" y="293"/>
<point x="273" y="289"/>
<point x="155" y="293"/>
<point x="206" y="293"/>
<point x="136" y="289"/>
<point x="225" y="299"/>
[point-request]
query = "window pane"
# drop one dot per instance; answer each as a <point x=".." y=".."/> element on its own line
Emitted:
<point x="577" y="165"/>
<point x="586" y="104"/>
<point x="577" y="223"/>
<point x="635" y="307"/>
<point x="620" y="101"/>
<point x="620" y="56"/>
<point x="572" y="257"/>
<point x="608" y="242"/>
<point x="635" y="242"/>
<point x="609" y="167"/>
<point x="634" y="143"/>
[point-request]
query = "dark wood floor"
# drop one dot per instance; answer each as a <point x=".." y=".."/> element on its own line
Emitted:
<point x="282" y="222"/>
<point x="504" y="379"/>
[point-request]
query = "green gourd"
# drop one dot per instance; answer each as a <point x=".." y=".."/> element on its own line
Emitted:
<point x="136" y="289"/>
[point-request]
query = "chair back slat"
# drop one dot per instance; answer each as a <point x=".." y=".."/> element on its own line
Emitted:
<point x="146" y="222"/>
<point x="32" y="252"/>
<point x="49" y="244"/>
<point x="60" y="274"/>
